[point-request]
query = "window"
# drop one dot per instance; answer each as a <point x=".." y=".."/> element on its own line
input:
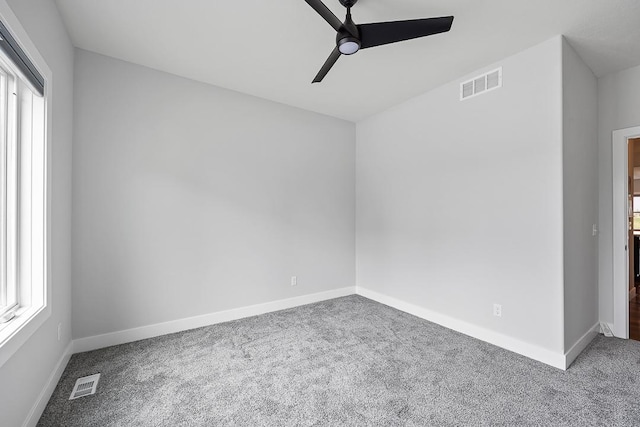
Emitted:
<point x="23" y="195"/>
<point x="636" y="213"/>
<point x="8" y="194"/>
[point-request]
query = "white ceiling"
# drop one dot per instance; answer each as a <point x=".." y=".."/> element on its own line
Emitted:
<point x="273" y="49"/>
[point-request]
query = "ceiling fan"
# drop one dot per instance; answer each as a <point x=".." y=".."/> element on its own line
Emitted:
<point x="351" y="37"/>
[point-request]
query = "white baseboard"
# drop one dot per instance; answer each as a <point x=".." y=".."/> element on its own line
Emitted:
<point x="38" y="408"/>
<point x="581" y="344"/>
<point x="529" y="350"/>
<point x="150" y="331"/>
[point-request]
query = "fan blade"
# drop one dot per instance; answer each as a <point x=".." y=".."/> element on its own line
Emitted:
<point x="327" y="65"/>
<point x="381" y="33"/>
<point x="324" y="11"/>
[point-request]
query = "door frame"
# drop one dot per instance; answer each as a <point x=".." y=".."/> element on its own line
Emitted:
<point x="620" y="157"/>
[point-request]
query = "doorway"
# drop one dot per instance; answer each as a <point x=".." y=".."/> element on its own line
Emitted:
<point x="633" y="200"/>
<point x="624" y="239"/>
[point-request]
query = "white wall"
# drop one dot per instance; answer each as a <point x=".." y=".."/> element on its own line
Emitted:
<point x="24" y="376"/>
<point x="191" y="199"/>
<point x="618" y="108"/>
<point x="580" y="174"/>
<point x="460" y="205"/>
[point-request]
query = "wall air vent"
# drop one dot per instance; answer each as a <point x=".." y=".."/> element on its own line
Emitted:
<point x="481" y="84"/>
<point x="85" y="386"/>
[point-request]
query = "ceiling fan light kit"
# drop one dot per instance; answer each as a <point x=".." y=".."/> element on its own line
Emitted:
<point x="348" y="45"/>
<point x="351" y="37"/>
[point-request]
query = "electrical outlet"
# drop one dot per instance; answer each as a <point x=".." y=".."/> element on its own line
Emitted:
<point x="497" y="310"/>
<point x="294" y="280"/>
<point x="59" y="331"/>
<point x="594" y="230"/>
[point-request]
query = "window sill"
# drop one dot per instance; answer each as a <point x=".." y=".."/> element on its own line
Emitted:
<point x="18" y="330"/>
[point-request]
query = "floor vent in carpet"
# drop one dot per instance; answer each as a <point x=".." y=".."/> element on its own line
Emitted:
<point x="85" y="386"/>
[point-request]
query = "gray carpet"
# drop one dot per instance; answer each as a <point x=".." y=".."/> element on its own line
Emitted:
<point x="344" y="362"/>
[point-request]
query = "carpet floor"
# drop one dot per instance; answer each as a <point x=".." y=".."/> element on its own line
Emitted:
<point x="344" y="362"/>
